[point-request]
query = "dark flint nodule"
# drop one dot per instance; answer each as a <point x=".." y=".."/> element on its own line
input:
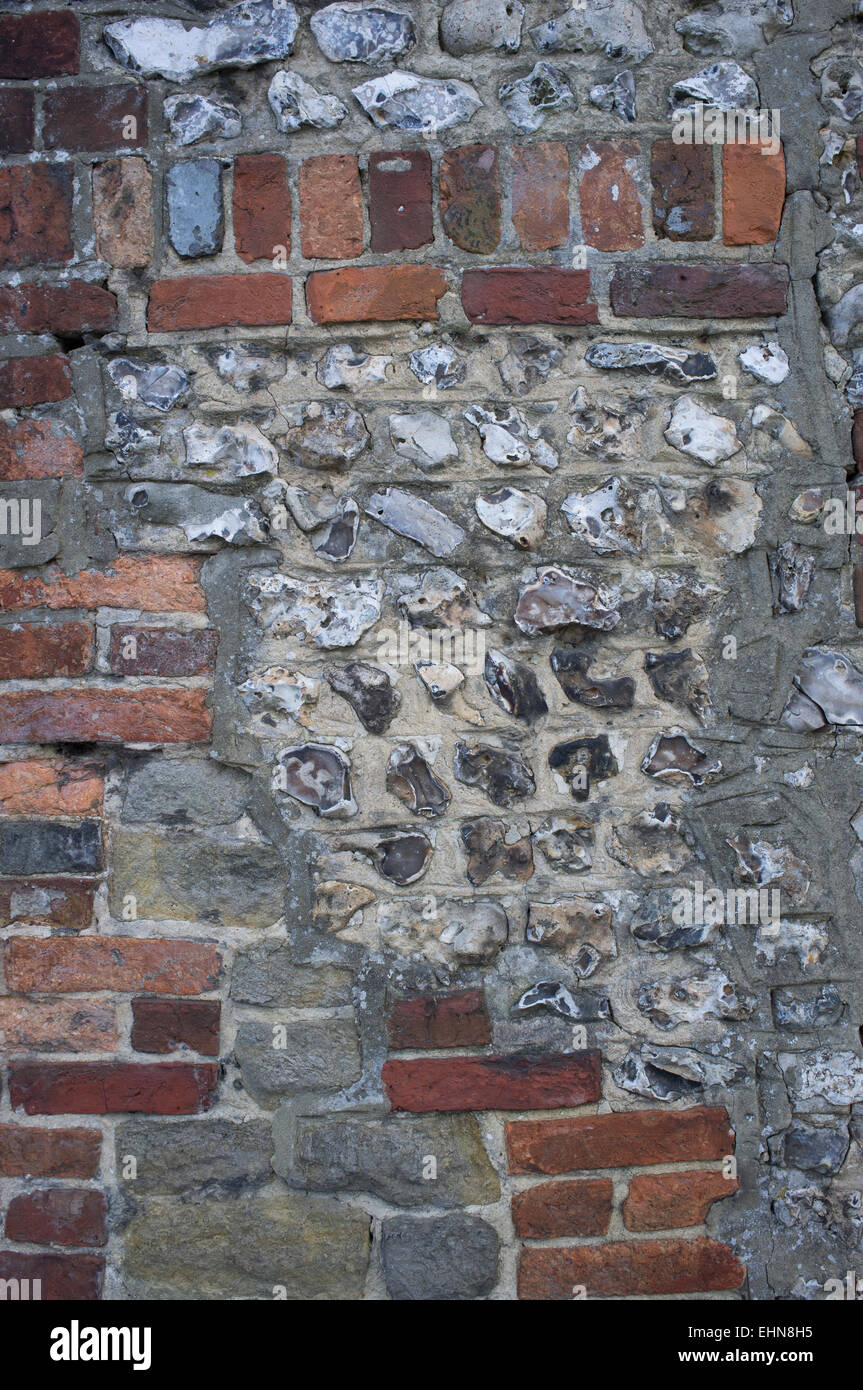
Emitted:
<point x="500" y="773"/>
<point x="514" y="687"/>
<point x="571" y="666"/>
<point x="369" y="692"/>
<point x="593" y="755"/>
<point x="410" y="778"/>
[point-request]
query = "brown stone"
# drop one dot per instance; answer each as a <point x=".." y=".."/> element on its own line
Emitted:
<point x="608" y="195"/>
<point x="627" y="1139"/>
<point x="161" y="651"/>
<point x="516" y="295"/>
<point x="112" y="1088"/>
<point x="400" y="208"/>
<point x="442" y="1020"/>
<point x="552" y="1210"/>
<point x="29" y="651"/>
<point x="50" y="787"/>
<point x="47" y="902"/>
<point x="154" y="583"/>
<point x="540" y="195"/>
<point x="331" y="207"/>
<point x="699" y="291"/>
<point x="35" y="214"/>
<point x="682" y="178"/>
<point x="49" y="1153"/>
<point x="58" y="1216"/>
<point x="359" y="294"/>
<point x="753" y="194"/>
<point x="38" y="449"/>
<point x="262" y="206"/>
<point x="220" y="301"/>
<point x="151" y="715"/>
<point x="470" y="197"/>
<point x="492" y="1083"/>
<point x="622" y="1269"/>
<point x="123" y="212"/>
<point x="57" y="1025"/>
<point x="70" y="964"/>
<point x="39" y="45"/>
<point x="95" y="118"/>
<point x="668" y="1201"/>
<point x="17" y="121"/>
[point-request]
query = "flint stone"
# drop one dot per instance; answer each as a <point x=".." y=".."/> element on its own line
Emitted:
<point x="344" y="366"/>
<point x="681" y="678"/>
<point x="828" y="690"/>
<point x="735" y="26"/>
<point x="565" y="843"/>
<point x="157" y="384"/>
<point x="319" y="776"/>
<point x="296" y="103"/>
<point x="501" y="774"/>
<point x="617" y="96"/>
<point x="571" y="667"/>
<point x="410" y="778"/>
<point x="468" y="931"/>
<point x="469" y="26"/>
<point x="493" y="847"/>
<point x="438" y="365"/>
<point x="239" y="449"/>
<point x="328" y="435"/>
<point x="425" y="438"/>
<point x="514" y="687"/>
<point x="668" y="1003"/>
<point x="528" y="362"/>
<point x="311" y="1056"/>
<point x="604" y="518"/>
<point x="676" y="364"/>
<point x="527" y="100"/>
<point x="441" y="1258"/>
<point x="583" y="1006"/>
<point x="673" y="1073"/>
<point x="572" y="925"/>
<point x="613" y="27"/>
<point x="266" y="973"/>
<point x="805" y="1008"/>
<point x="210" y="1157"/>
<point x="814" y="1150"/>
<point x="766" y="363"/>
<point x="200" y="514"/>
<point x="557" y="601"/>
<point x="417" y="519"/>
<point x="822" y="1079"/>
<point x="360" y="33"/>
<point x="701" y="433"/>
<point x="256" y="31"/>
<point x="369" y="691"/>
<point x="332" y="614"/>
<point x="402" y="858"/>
<point x="651" y="843"/>
<point x="581" y="762"/>
<point x="194" y="117"/>
<point x="674" y="755"/>
<point x="723" y="85"/>
<point x="514" y="516"/>
<point x="196" y="218"/>
<point x="179" y="791"/>
<point x="405" y="101"/>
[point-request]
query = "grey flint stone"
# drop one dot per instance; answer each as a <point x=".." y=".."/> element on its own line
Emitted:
<point x="256" y="31"/>
<point x="723" y="85"/>
<point x="296" y="103"/>
<point x="196" y="117"/>
<point x="529" y="99"/>
<point x="617" y="96"/>
<point x="196" y="222"/>
<point x="470" y="26"/>
<point x="612" y="27"/>
<point x="405" y="101"/>
<point x="158" y="384"/>
<point x="443" y="1258"/>
<point x="361" y="33"/>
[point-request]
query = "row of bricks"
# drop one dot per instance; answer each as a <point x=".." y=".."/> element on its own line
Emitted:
<point x="653" y="1202"/>
<point x="158" y="1025"/>
<point x="30" y="651"/>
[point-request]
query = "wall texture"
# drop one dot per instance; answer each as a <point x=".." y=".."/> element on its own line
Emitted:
<point x="425" y="552"/>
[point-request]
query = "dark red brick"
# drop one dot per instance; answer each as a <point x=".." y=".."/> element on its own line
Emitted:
<point x="622" y="1269"/>
<point x="73" y="308"/>
<point x="552" y="1210"/>
<point x="262" y="206"/>
<point x="628" y="1139"/>
<point x="400" y="207"/>
<point x="162" y="651"/>
<point x="441" y="1020"/>
<point x="17" y="121"/>
<point x="470" y="197"/>
<point x="28" y="381"/>
<point x="35" y="214"/>
<point x="168" y="1025"/>
<point x="516" y="295"/>
<point x="39" y="45"/>
<point x="58" y="1216"/>
<point x="29" y="651"/>
<point x="857" y="438"/>
<point x="49" y="1153"/>
<point x="699" y="291"/>
<point x="112" y="1088"/>
<point x="386" y="293"/>
<point x="38" y="449"/>
<point x="857" y="586"/>
<point x="668" y="1201"/>
<point x="682" y="178"/>
<point x="608" y="196"/>
<point x="93" y="118"/>
<point x="492" y="1083"/>
<point x="219" y="301"/>
<point x="51" y="902"/>
<point x="151" y="715"/>
<point x="62" y="1278"/>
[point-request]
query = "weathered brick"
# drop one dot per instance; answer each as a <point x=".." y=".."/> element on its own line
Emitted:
<point x="857" y="437"/>
<point x="400" y="208"/>
<point x="50" y="847"/>
<point x="38" y="449"/>
<point x="629" y="1139"/>
<point x="359" y="294"/>
<point x="17" y="121"/>
<point x="72" y="964"/>
<point x="516" y="295"/>
<point x="31" y="650"/>
<point x="35" y="215"/>
<point x="168" y="1025"/>
<point x="50" y="787"/>
<point x="152" y="715"/>
<point x="35" y="380"/>
<point x="123" y="212"/>
<point x="753" y="194"/>
<point x="540" y="195"/>
<point x="62" y="1278"/>
<point x="682" y="178"/>
<point x="699" y="291"/>
<point x="49" y="1153"/>
<point x="39" y="45"/>
<point x="161" y="651"/>
<point x="492" y="1083"/>
<point x="440" y="1020"/>
<point x="58" y="1216"/>
<point x="608" y="195"/>
<point x="95" y="118"/>
<point x="667" y="1201"/>
<point x="219" y="301"/>
<point x="29" y="1025"/>
<point x="112" y="1088"/>
<point x="621" y="1269"/>
<point x="551" y="1210"/>
<point x="331" y="207"/>
<point x="470" y="197"/>
<point x="49" y="902"/>
<point x="152" y="583"/>
<point x="64" y="309"/>
<point x="262" y="206"/>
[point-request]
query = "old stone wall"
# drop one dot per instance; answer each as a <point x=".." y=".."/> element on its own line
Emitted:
<point x="431" y="688"/>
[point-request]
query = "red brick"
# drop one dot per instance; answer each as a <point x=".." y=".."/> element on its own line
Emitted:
<point x="169" y="1025"/>
<point x="219" y="301"/>
<point x="59" y="1025"/>
<point x="631" y="1138"/>
<point x="29" y="651"/>
<point x="93" y="118"/>
<point x="112" y="1088"/>
<point x="35" y="380"/>
<point x="682" y="178"/>
<point x="162" y="651"/>
<point x="331" y="207"/>
<point x="699" y="291"/>
<point x="400" y="208"/>
<point x="39" y="45"/>
<point x="50" y="787"/>
<point x="54" y="901"/>
<point x="753" y="194"/>
<point x="551" y="1210"/>
<point x="440" y="1020"/>
<point x="35" y="215"/>
<point x="17" y="121"/>
<point x="857" y="437"/>
<point x="58" y="1216"/>
<point x="90" y="715"/>
<point x="38" y="449"/>
<point x="608" y="196"/>
<point x="470" y="197"/>
<point x="667" y="1201"/>
<point x="516" y="295"/>
<point x="262" y="206"/>
<point x="49" y="1153"/>
<point x="73" y="308"/>
<point x="540" y="195"/>
<point x="622" y="1269"/>
<point x="359" y="294"/>
<point x="69" y="965"/>
<point x="492" y="1083"/>
<point x="123" y="212"/>
<point x="62" y="1278"/>
<point x="151" y="583"/>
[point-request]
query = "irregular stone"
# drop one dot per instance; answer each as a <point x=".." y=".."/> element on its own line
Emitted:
<point x="580" y="927"/>
<point x="724" y="513"/>
<point x="412" y="516"/>
<point x="514" y="687"/>
<point x="405" y="101"/>
<point x="174" y="505"/>
<point x="212" y="1157"/>
<point x="527" y="100"/>
<point x="345" y="366"/>
<point x="822" y="1078"/>
<point x="402" y="858"/>
<point x="701" y="433"/>
<point x="808" y="941"/>
<point x="528" y="362"/>
<point x="304" y="1056"/>
<point x="439" y="598"/>
<point x="410" y="778"/>
<point x="425" y="438"/>
<point x="470" y="26"/>
<point x="316" y="776"/>
<point x="466" y="932"/>
<point x="617" y="96"/>
<point x="494" y="847"/>
<point x="673" y="755"/>
<point x="723" y="85"/>
<point x="240" y="450"/>
<point x="256" y="31"/>
<point x="807" y="1007"/>
<point x="614" y="430"/>
<point x="845" y="316"/>
<point x="192" y="117"/>
<point x="328" y="434"/>
<point x="603" y="518"/>
<point x="281" y="692"/>
<point x="439" y="365"/>
<point x="792" y="574"/>
<point x="668" y="1003"/>
<point x="266" y="973"/>
<point x="767" y="363"/>
<point x="442" y="1257"/>
<point x="571" y="667"/>
<point x="332" y="523"/>
<point x="565" y="843"/>
<point x="581" y="762"/>
<point x="656" y="924"/>
<point x="500" y="773"/>
<point x="296" y="103"/>
<point x="813" y="1150"/>
<point x="673" y="1073"/>
<point x="828" y="690"/>
<point x="734" y="26"/>
<point x="369" y="692"/>
<point x="557" y="601"/>
<point x="514" y="515"/>
<point x="842" y="87"/>
<point x="184" y="791"/>
<point x="613" y="27"/>
<point x="676" y="364"/>
<point x="339" y="905"/>
<point x="678" y="601"/>
<point x="771" y="865"/>
<point x="508" y="440"/>
<point x="360" y="33"/>
<point x="157" y="384"/>
<point x="681" y="678"/>
<point x="651" y="843"/>
<point x="779" y="427"/>
<point x="584" y="1006"/>
<point x="470" y="197"/>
